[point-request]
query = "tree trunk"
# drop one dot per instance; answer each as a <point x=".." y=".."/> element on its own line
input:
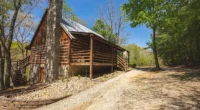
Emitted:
<point x="23" y="56"/>
<point x="53" y="40"/>
<point x="155" y="50"/>
<point x="8" y="69"/>
<point x="1" y="69"/>
<point x="197" y="49"/>
<point x="198" y="44"/>
<point x="7" y="45"/>
<point x="2" y="86"/>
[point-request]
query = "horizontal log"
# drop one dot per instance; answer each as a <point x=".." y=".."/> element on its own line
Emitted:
<point x="73" y="59"/>
<point x="80" y="60"/>
<point x="79" y="53"/>
<point x="102" y="56"/>
<point x="109" y="60"/>
<point x="81" y="47"/>
<point x="77" y="56"/>
<point x="64" y="63"/>
<point x="98" y="52"/>
<point x="82" y="51"/>
<point x="79" y="43"/>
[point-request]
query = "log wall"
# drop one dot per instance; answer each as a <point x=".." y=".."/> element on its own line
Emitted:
<point x="80" y="50"/>
<point x="38" y="48"/>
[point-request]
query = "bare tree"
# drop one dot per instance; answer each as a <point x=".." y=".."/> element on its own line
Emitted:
<point x="115" y="18"/>
<point x="53" y="39"/>
<point x="24" y="31"/>
<point x="6" y="40"/>
<point x="8" y="22"/>
<point x="26" y="25"/>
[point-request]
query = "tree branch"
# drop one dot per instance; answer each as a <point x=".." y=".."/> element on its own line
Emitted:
<point x="12" y="25"/>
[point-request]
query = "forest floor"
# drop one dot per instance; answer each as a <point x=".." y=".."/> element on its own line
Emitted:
<point x="139" y="89"/>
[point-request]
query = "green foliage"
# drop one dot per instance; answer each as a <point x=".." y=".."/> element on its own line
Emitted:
<point x="104" y="76"/>
<point x="151" y="13"/>
<point x="148" y="12"/>
<point x="111" y="23"/>
<point x="177" y="25"/>
<point x="16" y="53"/>
<point x="133" y="65"/>
<point x="103" y="29"/>
<point x="67" y="11"/>
<point x="140" y="56"/>
<point x="62" y="78"/>
<point x="179" y="39"/>
<point x="79" y="76"/>
<point x="28" y="73"/>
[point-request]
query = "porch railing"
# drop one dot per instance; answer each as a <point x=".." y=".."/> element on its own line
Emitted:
<point x="24" y="62"/>
<point x="122" y="63"/>
<point x="83" y="56"/>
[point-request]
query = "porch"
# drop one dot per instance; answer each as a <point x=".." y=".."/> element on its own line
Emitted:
<point x="90" y="50"/>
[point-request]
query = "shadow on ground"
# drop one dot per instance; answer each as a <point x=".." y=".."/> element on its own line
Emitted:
<point x="18" y="90"/>
<point x="150" y="69"/>
<point x="188" y="75"/>
<point x="98" y="72"/>
<point x="178" y="88"/>
<point x="184" y="101"/>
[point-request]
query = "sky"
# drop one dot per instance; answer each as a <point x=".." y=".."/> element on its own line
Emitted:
<point x="88" y="10"/>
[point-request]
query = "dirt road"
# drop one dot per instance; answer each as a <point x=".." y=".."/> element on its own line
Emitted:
<point x="138" y="90"/>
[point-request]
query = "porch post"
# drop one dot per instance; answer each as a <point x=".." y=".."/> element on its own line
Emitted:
<point x="91" y="56"/>
<point x="128" y="58"/>
<point x="112" y="59"/>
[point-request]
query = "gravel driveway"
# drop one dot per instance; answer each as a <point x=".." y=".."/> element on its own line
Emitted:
<point x="139" y="90"/>
<point x="104" y="96"/>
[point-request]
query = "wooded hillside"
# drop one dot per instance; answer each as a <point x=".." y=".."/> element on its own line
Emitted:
<point x="175" y="28"/>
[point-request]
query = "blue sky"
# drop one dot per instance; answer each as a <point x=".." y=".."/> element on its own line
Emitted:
<point x="88" y="10"/>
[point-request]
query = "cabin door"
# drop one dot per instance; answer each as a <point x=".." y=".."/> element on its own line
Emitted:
<point x="41" y="75"/>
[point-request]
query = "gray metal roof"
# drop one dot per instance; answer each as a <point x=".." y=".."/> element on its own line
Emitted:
<point x="73" y="26"/>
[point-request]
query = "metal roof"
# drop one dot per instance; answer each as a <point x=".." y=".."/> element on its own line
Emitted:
<point x="73" y="26"/>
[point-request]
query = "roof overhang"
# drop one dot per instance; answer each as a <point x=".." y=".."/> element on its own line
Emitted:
<point x="98" y="38"/>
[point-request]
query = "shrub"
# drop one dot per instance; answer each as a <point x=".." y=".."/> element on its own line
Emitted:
<point x="79" y="76"/>
<point x="62" y="78"/>
<point x="133" y="65"/>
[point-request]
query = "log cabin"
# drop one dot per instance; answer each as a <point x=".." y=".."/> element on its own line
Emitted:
<point x="81" y="50"/>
